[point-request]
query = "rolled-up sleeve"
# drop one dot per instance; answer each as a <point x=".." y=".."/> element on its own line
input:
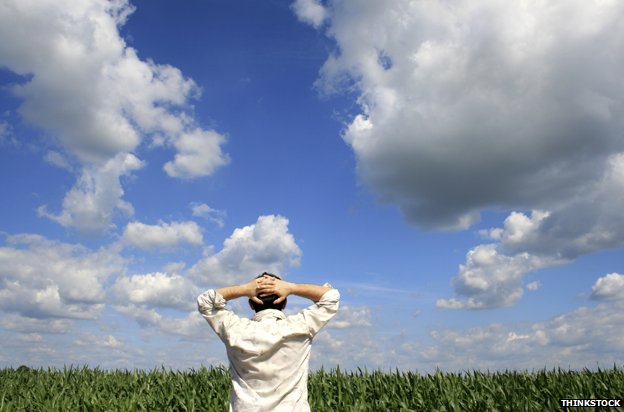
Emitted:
<point x="316" y="316"/>
<point x="211" y="305"/>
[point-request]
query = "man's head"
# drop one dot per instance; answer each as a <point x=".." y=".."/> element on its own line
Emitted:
<point x="267" y="301"/>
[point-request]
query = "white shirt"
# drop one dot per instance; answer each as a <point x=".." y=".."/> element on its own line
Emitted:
<point x="269" y="353"/>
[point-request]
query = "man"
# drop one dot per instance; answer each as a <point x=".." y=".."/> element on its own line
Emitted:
<point x="269" y="353"/>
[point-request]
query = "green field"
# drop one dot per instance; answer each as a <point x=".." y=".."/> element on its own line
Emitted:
<point x="85" y="389"/>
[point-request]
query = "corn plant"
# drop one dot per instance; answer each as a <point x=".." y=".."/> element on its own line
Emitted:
<point x="87" y="389"/>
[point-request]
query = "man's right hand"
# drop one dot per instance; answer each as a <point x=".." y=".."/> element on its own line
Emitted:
<point x="268" y="285"/>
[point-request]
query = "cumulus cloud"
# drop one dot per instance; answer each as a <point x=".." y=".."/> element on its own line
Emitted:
<point x="156" y="290"/>
<point x="472" y="106"/>
<point x="191" y="326"/>
<point x="467" y="106"/>
<point x="574" y="339"/>
<point x="267" y="245"/>
<point x="44" y="279"/>
<point x="489" y="279"/>
<point x="310" y="11"/>
<point x="24" y="324"/>
<point x="92" y="90"/>
<point x="84" y="86"/>
<point x="91" y="205"/>
<point x="492" y="275"/>
<point x="351" y="317"/>
<point x="199" y="154"/>
<point x="610" y="286"/>
<point x="163" y="235"/>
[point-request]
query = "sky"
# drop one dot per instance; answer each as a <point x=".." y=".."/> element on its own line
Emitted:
<point x="454" y="169"/>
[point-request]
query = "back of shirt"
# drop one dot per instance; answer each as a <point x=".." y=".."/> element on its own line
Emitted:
<point x="269" y="354"/>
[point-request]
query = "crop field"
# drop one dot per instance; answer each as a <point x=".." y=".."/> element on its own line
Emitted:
<point x="85" y="389"/>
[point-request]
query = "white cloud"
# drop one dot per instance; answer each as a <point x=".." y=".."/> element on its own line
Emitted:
<point x="92" y="203"/>
<point x="585" y="337"/>
<point x="351" y="317"/>
<point x="92" y="341"/>
<point x="586" y="224"/>
<point x="6" y="134"/>
<point x="193" y="326"/>
<point x="156" y="290"/>
<point x="85" y="87"/>
<point x="163" y="235"/>
<point x="491" y="279"/>
<point x="92" y="90"/>
<point x="57" y="159"/>
<point x="467" y="106"/>
<point x="214" y="215"/>
<point x="310" y="11"/>
<point x="199" y="154"/>
<point x="44" y="279"/>
<point x="25" y="324"/>
<point x="533" y="286"/>
<point x="266" y="245"/>
<point x="483" y="105"/>
<point x="610" y="286"/>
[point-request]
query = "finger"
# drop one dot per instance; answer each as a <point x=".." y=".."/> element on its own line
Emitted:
<point x="258" y="301"/>
<point x="279" y="300"/>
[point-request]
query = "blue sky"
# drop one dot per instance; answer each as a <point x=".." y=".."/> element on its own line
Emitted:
<point x="456" y="171"/>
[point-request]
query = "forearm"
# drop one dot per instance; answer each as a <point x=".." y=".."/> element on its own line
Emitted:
<point x="233" y="292"/>
<point x="308" y="291"/>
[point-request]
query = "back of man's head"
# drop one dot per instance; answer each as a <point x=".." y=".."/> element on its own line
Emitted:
<point x="267" y="301"/>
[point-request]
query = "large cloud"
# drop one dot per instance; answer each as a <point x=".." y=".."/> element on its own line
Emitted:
<point x="467" y="106"/>
<point x="82" y="83"/>
<point x="470" y="105"/>
<point x="267" y="245"/>
<point x="91" y="89"/>
<point x="44" y="279"/>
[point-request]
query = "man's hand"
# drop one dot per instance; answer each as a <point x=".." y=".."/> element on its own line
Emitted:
<point x="253" y="288"/>
<point x="268" y="285"/>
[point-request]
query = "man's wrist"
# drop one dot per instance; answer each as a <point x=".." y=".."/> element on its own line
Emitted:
<point x="291" y="288"/>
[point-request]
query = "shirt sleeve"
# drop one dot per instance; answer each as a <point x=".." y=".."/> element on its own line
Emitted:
<point x="316" y="316"/>
<point x="211" y="305"/>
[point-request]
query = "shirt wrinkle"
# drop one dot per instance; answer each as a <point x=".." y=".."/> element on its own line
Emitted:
<point x="269" y="354"/>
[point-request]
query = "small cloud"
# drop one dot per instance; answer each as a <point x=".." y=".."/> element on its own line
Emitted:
<point x="610" y="286"/>
<point x="351" y="317"/>
<point x="533" y="286"/>
<point x="58" y="160"/>
<point x="213" y="215"/>
<point x="198" y="154"/>
<point x="6" y="135"/>
<point x="311" y="12"/>
<point x="174" y="267"/>
<point x="161" y="236"/>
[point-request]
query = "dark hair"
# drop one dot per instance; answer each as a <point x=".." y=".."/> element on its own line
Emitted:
<point x="267" y="301"/>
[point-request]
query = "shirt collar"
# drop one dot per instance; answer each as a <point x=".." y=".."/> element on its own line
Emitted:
<point x="268" y="313"/>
